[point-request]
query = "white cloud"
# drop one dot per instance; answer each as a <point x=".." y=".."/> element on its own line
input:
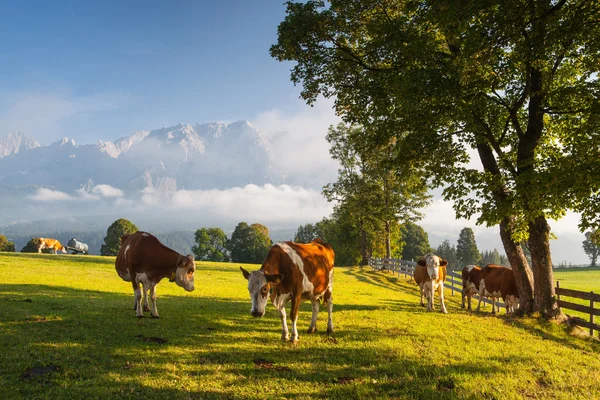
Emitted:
<point x="298" y="139"/>
<point x="107" y="191"/>
<point x="48" y="195"/>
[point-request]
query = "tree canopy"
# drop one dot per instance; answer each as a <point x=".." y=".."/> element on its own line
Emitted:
<point x="5" y="245"/>
<point x="112" y="241"/>
<point x="466" y="249"/>
<point x="591" y="249"/>
<point x="211" y="245"/>
<point x="416" y="241"/>
<point x="249" y="243"/>
<point x="513" y="81"/>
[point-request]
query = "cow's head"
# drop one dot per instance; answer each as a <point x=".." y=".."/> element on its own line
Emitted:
<point x="433" y="264"/>
<point x="259" y="285"/>
<point x="62" y="249"/>
<point x="184" y="275"/>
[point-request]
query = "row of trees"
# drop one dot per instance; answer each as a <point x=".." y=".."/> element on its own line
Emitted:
<point x="248" y="244"/>
<point x="426" y="82"/>
<point x="6" y="245"/>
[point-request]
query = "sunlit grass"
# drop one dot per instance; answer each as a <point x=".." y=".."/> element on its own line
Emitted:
<point x="73" y="315"/>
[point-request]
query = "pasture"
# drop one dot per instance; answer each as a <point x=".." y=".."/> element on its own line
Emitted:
<point x="67" y="330"/>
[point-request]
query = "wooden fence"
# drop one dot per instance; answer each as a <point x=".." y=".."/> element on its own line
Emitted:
<point x="454" y="283"/>
<point x="577" y="294"/>
<point x="453" y="280"/>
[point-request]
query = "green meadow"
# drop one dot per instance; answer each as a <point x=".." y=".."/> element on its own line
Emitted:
<point x="68" y="331"/>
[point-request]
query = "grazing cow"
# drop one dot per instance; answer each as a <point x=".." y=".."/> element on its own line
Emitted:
<point x="144" y="260"/>
<point x="430" y="274"/>
<point x="499" y="281"/>
<point x="53" y="244"/>
<point x="471" y="278"/>
<point x="294" y="272"/>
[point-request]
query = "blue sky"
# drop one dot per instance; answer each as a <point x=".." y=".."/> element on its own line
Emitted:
<point x="107" y="68"/>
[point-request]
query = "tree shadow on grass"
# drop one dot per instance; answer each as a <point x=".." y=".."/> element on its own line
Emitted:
<point x="377" y="278"/>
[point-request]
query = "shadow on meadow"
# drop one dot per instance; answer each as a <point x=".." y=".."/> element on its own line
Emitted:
<point x="91" y="341"/>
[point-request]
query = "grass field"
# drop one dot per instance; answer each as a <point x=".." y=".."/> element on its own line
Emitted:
<point x="67" y="330"/>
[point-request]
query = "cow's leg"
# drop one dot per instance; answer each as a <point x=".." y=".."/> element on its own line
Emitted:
<point x="154" y="310"/>
<point x="469" y="298"/>
<point x="441" y="292"/>
<point x="494" y="300"/>
<point x="138" y="299"/>
<point x="329" y="300"/>
<point x="315" y="312"/>
<point x="145" y="292"/>
<point x="422" y="291"/>
<point x="429" y="294"/>
<point x="294" y="315"/>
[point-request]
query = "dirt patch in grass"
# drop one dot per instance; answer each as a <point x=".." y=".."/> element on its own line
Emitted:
<point x="39" y="371"/>
<point x="152" y="339"/>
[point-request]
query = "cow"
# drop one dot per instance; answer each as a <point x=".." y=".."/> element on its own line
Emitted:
<point x="471" y="278"/>
<point x="144" y="260"/>
<point x="499" y="281"/>
<point x="430" y="274"/>
<point x="47" y="243"/>
<point x="294" y="272"/>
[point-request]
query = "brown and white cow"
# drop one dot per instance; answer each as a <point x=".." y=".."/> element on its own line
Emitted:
<point x="499" y="281"/>
<point x="53" y="244"/>
<point x="430" y="274"/>
<point x="144" y="260"/>
<point x="471" y="278"/>
<point x="294" y="272"/>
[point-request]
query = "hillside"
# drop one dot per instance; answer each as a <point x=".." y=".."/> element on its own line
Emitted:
<point x="70" y="318"/>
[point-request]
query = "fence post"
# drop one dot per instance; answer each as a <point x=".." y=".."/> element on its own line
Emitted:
<point x="592" y="314"/>
<point x="452" y="280"/>
<point x="558" y="287"/>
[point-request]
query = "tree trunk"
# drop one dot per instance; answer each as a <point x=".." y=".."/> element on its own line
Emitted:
<point x="521" y="270"/>
<point x="388" y="240"/>
<point x="539" y="244"/>
<point x="363" y="248"/>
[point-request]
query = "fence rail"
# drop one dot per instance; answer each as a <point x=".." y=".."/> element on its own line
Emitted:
<point x="577" y="294"/>
<point x="453" y="280"/>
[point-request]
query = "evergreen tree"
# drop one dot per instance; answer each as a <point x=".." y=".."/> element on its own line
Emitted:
<point x="211" y="245"/>
<point x="112" y="241"/>
<point x="466" y="249"/>
<point x="306" y="233"/>
<point x="448" y="253"/>
<point x="32" y="247"/>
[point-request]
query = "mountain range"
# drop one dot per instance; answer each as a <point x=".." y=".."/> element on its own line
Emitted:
<point x="201" y="156"/>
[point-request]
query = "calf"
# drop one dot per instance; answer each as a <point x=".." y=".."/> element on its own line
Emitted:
<point x="471" y="278"/>
<point x="499" y="281"/>
<point x="430" y="274"/>
<point x="144" y="260"/>
<point x="294" y="272"/>
<point x="53" y="244"/>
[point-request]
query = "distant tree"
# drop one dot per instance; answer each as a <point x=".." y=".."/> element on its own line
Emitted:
<point x="211" y="245"/>
<point x="112" y="241"/>
<point x="249" y="243"/>
<point x="448" y="253"/>
<point x="32" y="247"/>
<point x="306" y="233"/>
<point x="416" y="241"/>
<point x="590" y="248"/>
<point x="466" y="248"/>
<point x="5" y="245"/>
<point x="491" y="257"/>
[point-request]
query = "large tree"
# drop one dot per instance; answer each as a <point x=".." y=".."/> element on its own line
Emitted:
<point x="112" y="241"/>
<point x="211" y="245"/>
<point x="379" y="193"/>
<point x="591" y="249"/>
<point x="514" y="80"/>
<point x="249" y="243"/>
<point x="466" y="248"/>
